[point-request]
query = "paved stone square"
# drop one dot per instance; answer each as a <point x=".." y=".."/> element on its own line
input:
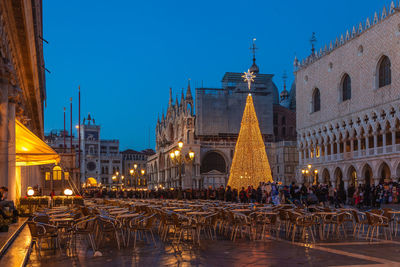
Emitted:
<point x="243" y="252"/>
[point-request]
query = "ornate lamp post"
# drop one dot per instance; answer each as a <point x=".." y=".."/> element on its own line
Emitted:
<point x="136" y="174"/>
<point x="116" y="177"/>
<point x="309" y="172"/>
<point x="178" y="159"/>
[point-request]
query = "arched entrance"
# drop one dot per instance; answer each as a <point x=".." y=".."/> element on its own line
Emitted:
<point x="213" y="161"/>
<point x="326" y="178"/>
<point x="352" y="176"/>
<point x="384" y="173"/>
<point x="338" y="175"/>
<point x="91" y="182"/>
<point x="367" y="174"/>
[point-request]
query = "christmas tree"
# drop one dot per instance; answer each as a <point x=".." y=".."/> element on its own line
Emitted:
<point x="250" y="164"/>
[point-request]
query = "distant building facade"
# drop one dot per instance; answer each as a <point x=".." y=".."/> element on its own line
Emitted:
<point x="212" y="133"/>
<point x="100" y="159"/>
<point x="348" y="101"/>
<point x="130" y="158"/>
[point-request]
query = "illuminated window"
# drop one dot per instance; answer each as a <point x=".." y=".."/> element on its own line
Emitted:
<point x="66" y="175"/>
<point x="57" y="173"/>
<point x="318" y="152"/>
<point x="47" y="176"/>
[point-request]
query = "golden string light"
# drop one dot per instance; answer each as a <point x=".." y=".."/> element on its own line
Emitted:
<point x="250" y="164"/>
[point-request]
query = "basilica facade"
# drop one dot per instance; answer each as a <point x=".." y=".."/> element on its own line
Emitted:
<point x="211" y="133"/>
<point x="348" y="104"/>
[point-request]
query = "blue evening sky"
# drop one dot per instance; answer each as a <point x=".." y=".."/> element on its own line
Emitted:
<point x="126" y="54"/>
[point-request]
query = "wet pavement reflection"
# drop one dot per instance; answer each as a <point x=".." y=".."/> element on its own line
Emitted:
<point x="227" y="253"/>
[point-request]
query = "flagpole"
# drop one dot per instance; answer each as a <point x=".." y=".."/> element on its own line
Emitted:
<point x="64" y="131"/>
<point x="79" y="134"/>
<point x="71" y="125"/>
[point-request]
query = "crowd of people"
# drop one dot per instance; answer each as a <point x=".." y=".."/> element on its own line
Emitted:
<point x="360" y="196"/>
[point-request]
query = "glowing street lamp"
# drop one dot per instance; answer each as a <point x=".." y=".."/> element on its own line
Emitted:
<point x="177" y="159"/>
<point x="30" y="192"/>
<point x="68" y="192"/>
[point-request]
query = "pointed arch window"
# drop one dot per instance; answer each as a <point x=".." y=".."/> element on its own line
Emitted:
<point x="346" y="88"/>
<point x="385" y="73"/>
<point x="316" y="100"/>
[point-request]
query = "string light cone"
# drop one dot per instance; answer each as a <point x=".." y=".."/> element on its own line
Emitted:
<point x="250" y="164"/>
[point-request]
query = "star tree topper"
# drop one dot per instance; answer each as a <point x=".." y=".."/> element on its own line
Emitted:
<point x="249" y="78"/>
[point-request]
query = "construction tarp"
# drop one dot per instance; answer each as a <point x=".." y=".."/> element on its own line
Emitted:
<point x="30" y="149"/>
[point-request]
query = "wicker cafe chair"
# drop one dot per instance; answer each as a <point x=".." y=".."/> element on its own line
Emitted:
<point x="40" y="231"/>
<point x="359" y="221"/>
<point x="84" y="227"/>
<point x="145" y="225"/>
<point x="337" y="222"/>
<point x="375" y="221"/>
<point x="108" y="225"/>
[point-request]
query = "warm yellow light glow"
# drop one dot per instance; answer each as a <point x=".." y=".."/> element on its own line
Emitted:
<point x="68" y="192"/>
<point x="24" y="149"/>
<point x="307" y="171"/>
<point x="172" y="155"/>
<point x="131" y="171"/>
<point x="250" y="164"/>
<point x="177" y="153"/>
<point x="117" y="173"/>
<point x="142" y="172"/>
<point x="180" y="144"/>
<point x="315" y="171"/>
<point x="309" y="166"/>
<point x="135" y="166"/>
<point x="122" y="177"/>
<point x="114" y="177"/>
<point x="30" y="192"/>
<point x="303" y="171"/>
<point x="77" y="126"/>
<point x="191" y="155"/>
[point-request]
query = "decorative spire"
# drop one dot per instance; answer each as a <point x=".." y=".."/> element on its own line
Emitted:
<point x="182" y="97"/>
<point x="284" y="94"/>
<point x="313" y="40"/>
<point x="392" y="8"/>
<point x="254" y="68"/>
<point x="177" y="102"/>
<point x="189" y="92"/>
<point x="383" y="13"/>
<point x="367" y="24"/>
<point x="375" y="19"/>
<point x="170" y="97"/>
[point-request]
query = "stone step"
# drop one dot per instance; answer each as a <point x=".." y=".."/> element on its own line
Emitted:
<point x="17" y="253"/>
<point x="7" y="238"/>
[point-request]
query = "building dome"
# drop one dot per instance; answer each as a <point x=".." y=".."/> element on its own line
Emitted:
<point x="254" y="68"/>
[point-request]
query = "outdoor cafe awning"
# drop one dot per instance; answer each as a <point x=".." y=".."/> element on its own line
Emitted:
<point x="30" y="149"/>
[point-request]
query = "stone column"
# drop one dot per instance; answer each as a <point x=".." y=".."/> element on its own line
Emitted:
<point x="366" y="143"/>
<point x="384" y="142"/>
<point x="338" y="146"/>
<point x="4" y="85"/>
<point x="332" y="147"/>
<point x="393" y="130"/>
<point x="352" y="145"/>
<point x="375" y="142"/>
<point x="14" y="188"/>
<point x="326" y="151"/>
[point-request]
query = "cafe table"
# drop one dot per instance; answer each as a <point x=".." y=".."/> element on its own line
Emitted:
<point x="182" y="210"/>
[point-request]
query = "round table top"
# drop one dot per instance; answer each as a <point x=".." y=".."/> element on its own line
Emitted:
<point x="182" y="210"/>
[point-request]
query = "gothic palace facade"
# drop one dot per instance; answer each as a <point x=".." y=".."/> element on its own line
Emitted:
<point x="348" y="104"/>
